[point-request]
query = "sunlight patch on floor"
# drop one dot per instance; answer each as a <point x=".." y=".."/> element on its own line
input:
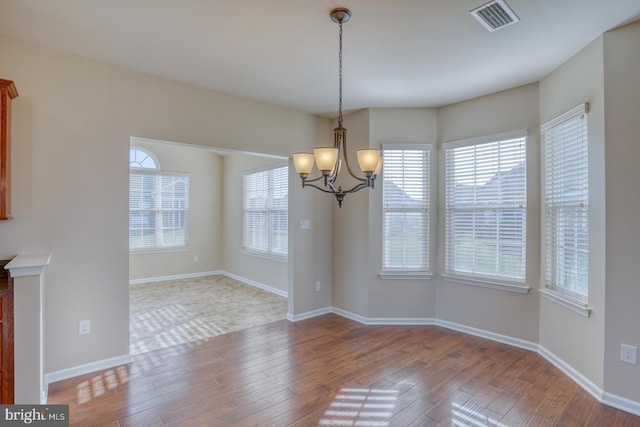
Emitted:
<point x="361" y="407"/>
<point x="464" y="417"/>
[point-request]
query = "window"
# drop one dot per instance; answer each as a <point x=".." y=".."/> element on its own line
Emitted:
<point x="566" y="204"/>
<point x="266" y="205"/>
<point x="158" y="205"/>
<point x="485" y="212"/>
<point x="406" y="213"/>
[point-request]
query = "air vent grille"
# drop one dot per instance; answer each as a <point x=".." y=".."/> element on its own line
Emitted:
<point x="495" y="15"/>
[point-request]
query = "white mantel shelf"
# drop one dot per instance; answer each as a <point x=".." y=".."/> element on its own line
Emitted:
<point x="28" y="327"/>
<point x="28" y="265"/>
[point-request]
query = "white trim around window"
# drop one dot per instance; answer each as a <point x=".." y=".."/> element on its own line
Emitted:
<point x="552" y="295"/>
<point x="565" y="219"/>
<point x="486" y="211"/>
<point x="158" y="211"/>
<point x="406" y="211"/>
<point x="266" y="212"/>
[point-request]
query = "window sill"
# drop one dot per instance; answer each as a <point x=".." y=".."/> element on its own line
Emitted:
<point x="265" y="255"/>
<point x="158" y="250"/>
<point x="582" y="309"/>
<point x="392" y="275"/>
<point x="509" y="287"/>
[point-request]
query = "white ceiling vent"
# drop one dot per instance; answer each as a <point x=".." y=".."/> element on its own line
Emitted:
<point x="495" y="15"/>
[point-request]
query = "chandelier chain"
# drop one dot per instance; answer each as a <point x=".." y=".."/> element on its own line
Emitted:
<point x="340" y="76"/>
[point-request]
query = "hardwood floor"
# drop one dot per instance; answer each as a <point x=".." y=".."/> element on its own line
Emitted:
<point x="330" y="371"/>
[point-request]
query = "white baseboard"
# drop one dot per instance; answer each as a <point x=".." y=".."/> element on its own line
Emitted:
<point x="383" y="320"/>
<point x="572" y="373"/>
<point x="308" y="314"/>
<point x="174" y="277"/>
<point x="255" y="284"/>
<point x="621" y="403"/>
<point x="505" y="339"/>
<point x="87" y="368"/>
<point x="244" y="280"/>
<point x="349" y="315"/>
<point x="601" y="396"/>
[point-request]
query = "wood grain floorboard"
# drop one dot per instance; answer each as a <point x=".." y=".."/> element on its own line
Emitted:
<point x="331" y="371"/>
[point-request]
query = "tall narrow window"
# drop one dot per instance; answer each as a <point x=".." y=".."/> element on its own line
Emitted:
<point x="485" y="211"/>
<point x="566" y="204"/>
<point x="158" y="205"/>
<point x="266" y="205"/>
<point x="406" y="211"/>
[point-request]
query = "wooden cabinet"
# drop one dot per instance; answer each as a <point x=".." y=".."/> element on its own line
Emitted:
<point x="8" y="91"/>
<point x="6" y="335"/>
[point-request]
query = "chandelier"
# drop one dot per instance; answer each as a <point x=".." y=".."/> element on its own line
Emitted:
<point x="329" y="160"/>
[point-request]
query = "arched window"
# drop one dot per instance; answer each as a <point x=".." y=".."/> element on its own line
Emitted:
<point x="139" y="158"/>
<point x="158" y="205"/>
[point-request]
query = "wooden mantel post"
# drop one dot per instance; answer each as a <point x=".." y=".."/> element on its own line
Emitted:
<point x="8" y="91"/>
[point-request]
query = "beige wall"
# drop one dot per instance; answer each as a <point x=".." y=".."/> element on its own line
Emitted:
<point x="398" y="298"/>
<point x="577" y="340"/>
<point x="622" y="152"/>
<point x="71" y="128"/>
<point x="498" y="311"/>
<point x="358" y="225"/>
<point x="351" y="270"/>
<point x="205" y="213"/>
<point x="269" y="272"/>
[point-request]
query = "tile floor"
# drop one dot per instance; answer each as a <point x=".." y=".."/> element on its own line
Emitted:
<point x="163" y="314"/>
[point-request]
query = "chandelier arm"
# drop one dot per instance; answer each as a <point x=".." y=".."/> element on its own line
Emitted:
<point x="329" y="184"/>
<point x="341" y="144"/>
<point x="332" y="191"/>
<point x="306" y="180"/>
<point x="363" y="180"/>
<point x="357" y="187"/>
<point x="344" y="154"/>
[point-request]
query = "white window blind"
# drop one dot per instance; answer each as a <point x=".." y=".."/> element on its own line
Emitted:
<point x="158" y="211"/>
<point x="266" y="211"/>
<point x="406" y="212"/>
<point x="485" y="199"/>
<point x="566" y="218"/>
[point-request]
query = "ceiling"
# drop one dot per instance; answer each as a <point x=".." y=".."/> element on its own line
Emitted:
<point x="400" y="53"/>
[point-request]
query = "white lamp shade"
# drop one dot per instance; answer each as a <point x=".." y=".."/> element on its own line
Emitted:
<point x="368" y="159"/>
<point x="303" y="162"/>
<point x="326" y="158"/>
<point x="379" y="167"/>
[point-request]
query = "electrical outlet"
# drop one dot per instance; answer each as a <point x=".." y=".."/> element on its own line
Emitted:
<point x="84" y="327"/>
<point x="195" y="258"/>
<point x="318" y="286"/>
<point x="629" y="354"/>
<point x="305" y="224"/>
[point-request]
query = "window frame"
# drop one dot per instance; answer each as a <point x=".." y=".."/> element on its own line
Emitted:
<point x="502" y="282"/>
<point x="388" y="271"/>
<point x="569" y="298"/>
<point x="148" y="154"/>
<point x="269" y="210"/>
<point x="157" y="211"/>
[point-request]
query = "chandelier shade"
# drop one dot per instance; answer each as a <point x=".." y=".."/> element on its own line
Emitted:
<point x="303" y="162"/>
<point x="329" y="160"/>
